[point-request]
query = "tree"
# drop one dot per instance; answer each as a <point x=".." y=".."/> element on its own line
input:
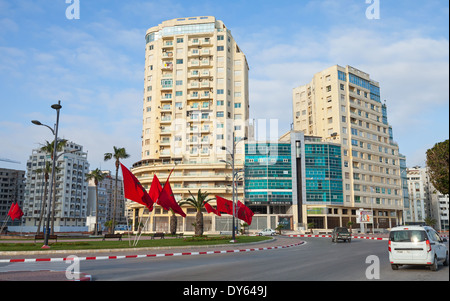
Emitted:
<point x="46" y="170"/>
<point x="173" y="223"/>
<point x="48" y="148"/>
<point x="430" y="221"/>
<point x="199" y="204"/>
<point x="437" y="163"/>
<point x="119" y="153"/>
<point x="97" y="175"/>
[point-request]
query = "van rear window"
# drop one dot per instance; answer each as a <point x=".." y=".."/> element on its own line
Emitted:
<point x="408" y="236"/>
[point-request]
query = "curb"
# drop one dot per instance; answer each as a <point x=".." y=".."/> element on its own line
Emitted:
<point x="329" y="236"/>
<point x="146" y="255"/>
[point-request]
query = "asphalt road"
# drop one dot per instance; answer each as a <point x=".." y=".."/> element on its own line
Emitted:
<point x="317" y="260"/>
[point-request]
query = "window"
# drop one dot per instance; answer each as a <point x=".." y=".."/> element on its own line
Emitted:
<point x="219" y="38"/>
<point x="179" y="61"/>
<point x="219" y="114"/>
<point x="220" y="91"/>
<point x="220" y="48"/>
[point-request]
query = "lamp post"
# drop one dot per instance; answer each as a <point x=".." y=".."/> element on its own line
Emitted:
<point x="233" y="235"/>
<point x="56" y="107"/>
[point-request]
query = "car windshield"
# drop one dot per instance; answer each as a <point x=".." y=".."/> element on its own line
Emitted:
<point x="345" y="230"/>
<point x="408" y="236"/>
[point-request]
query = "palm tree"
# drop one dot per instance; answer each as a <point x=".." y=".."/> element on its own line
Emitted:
<point x="97" y="175"/>
<point x="429" y="221"/>
<point x="48" y="148"/>
<point x="119" y="153"/>
<point x="46" y="170"/>
<point x="198" y="203"/>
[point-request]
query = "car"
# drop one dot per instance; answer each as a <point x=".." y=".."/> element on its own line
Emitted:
<point x="416" y="245"/>
<point x="267" y="232"/>
<point x="341" y="233"/>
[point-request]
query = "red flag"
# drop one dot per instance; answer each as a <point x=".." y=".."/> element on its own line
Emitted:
<point x="224" y="205"/>
<point x="155" y="189"/>
<point x="133" y="189"/>
<point x="15" y="211"/>
<point x="244" y="213"/>
<point x="167" y="201"/>
<point x="210" y="209"/>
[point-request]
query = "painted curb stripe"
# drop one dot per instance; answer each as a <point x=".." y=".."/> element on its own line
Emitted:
<point x="146" y="255"/>
<point x="329" y="236"/>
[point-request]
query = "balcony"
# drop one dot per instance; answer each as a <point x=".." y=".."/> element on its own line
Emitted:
<point x="167" y="55"/>
<point x="167" y="44"/>
<point x="167" y="66"/>
<point x="166" y="119"/>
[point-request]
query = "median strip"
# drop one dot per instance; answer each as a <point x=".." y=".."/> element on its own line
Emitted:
<point x="148" y="255"/>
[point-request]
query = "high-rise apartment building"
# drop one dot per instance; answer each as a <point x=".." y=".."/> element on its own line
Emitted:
<point x="71" y="187"/>
<point x="195" y="103"/>
<point x="12" y="188"/>
<point x="343" y="105"/>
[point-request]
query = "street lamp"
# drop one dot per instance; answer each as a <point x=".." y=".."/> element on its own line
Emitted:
<point x="56" y="107"/>
<point x="233" y="236"/>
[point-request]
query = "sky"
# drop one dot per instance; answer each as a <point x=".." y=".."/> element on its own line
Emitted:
<point x="94" y="63"/>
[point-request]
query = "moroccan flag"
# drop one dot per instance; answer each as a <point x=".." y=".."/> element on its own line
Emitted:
<point x="15" y="211"/>
<point x="210" y="209"/>
<point x="155" y="189"/>
<point x="167" y="201"/>
<point x="224" y="205"/>
<point x="244" y="213"/>
<point x="133" y="189"/>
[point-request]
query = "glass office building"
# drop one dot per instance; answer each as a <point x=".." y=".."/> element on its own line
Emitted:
<point x="287" y="179"/>
<point x="323" y="172"/>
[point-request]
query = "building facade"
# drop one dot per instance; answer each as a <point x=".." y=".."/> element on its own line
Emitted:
<point x="295" y="182"/>
<point x="12" y="190"/>
<point x="343" y="105"/>
<point x="195" y="103"/>
<point x="425" y="200"/>
<point x="268" y="184"/>
<point x="106" y="190"/>
<point x="71" y="187"/>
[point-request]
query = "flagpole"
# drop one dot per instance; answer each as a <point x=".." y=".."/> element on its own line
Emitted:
<point x="4" y="224"/>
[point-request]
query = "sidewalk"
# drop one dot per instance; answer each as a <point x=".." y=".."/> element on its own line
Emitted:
<point x="59" y="256"/>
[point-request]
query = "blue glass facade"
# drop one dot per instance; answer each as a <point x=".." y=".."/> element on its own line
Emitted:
<point x="268" y="173"/>
<point x="323" y="173"/>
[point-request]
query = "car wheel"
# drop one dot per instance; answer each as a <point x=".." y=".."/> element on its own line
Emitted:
<point x="446" y="260"/>
<point x="394" y="267"/>
<point x="434" y="266"/>
<point x="350" y="240"/>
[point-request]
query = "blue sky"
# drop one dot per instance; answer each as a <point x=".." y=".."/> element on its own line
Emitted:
<point x="95" y="65"/>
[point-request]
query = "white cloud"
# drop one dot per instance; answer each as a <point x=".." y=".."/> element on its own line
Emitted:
<point x="413" y="71"/>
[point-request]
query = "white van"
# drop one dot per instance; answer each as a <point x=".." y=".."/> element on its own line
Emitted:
<point x="416" y="245"/>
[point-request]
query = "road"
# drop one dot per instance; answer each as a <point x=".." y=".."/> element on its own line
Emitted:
<point x="317" y="260"/>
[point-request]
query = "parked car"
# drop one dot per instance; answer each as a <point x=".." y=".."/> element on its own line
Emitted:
<point x="341" y="233"/>
<point x="416" y="245"/>
<point x="267" y="232"/>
